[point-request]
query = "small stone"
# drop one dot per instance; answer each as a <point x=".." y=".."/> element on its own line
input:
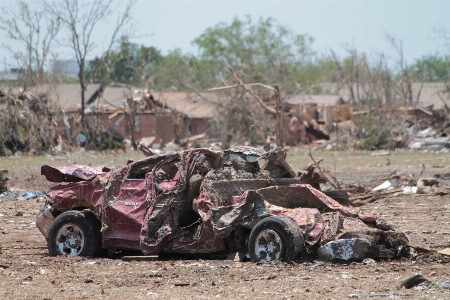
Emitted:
<point x="446" y="284"/>
<point x="368" y="261"/>
<point x="412" y="281"/>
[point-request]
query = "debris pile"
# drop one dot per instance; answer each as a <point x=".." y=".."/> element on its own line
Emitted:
<point x="3" y="180"/>
<point x="419" y="129"/>
<point x="30" y="125"/>
<point x="348" y="128"/>
<point x="395" y="184"/>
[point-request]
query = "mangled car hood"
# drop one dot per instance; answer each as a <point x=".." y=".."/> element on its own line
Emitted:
<point x="72" y="173"/>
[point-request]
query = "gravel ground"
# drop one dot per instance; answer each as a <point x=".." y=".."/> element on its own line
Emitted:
<point x="27" y="272"/>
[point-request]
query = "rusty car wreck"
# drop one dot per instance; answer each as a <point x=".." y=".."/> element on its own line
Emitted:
<point x="200" y="201"/>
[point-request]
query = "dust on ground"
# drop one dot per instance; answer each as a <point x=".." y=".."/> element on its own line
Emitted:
<point x="28" y="272"/>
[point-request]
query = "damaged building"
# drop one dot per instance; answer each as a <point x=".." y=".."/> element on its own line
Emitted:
<point x="137" y="115"/>
<point x="312" y="117"/>
<point x="129" y="114"/>
<point x="156" y="119"/>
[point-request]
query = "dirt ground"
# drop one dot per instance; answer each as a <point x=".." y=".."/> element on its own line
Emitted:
<point x="27" y="272"/>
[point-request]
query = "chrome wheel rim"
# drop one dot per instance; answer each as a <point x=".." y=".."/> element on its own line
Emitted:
<point x="268" y="246"/>
<point x="70" y="240"/>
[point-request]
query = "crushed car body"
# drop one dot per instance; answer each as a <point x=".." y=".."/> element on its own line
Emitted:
<point x="200" y="201"/>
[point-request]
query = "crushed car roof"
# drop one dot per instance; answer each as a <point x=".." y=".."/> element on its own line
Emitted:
<point x="72" y="173"/>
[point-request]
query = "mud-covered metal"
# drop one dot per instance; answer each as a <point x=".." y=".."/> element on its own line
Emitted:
<point x="344" y="250"/>
<point x="268" y="246"/>
<point x="200" y="201"/>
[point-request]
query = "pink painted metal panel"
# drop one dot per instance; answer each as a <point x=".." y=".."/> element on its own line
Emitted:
<point x="124" y="214"/>
<point x="85" y="194"/>
<point x="71" y="173"/>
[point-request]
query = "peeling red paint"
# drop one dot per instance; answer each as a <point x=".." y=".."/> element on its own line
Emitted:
<point x="72" y="173"/>
<point x="193" y="201"/>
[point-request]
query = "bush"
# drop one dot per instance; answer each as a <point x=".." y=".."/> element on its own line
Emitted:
<point x="379" y="131"/>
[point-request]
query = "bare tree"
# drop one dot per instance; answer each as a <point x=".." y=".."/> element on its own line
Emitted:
<point x="276" y="111"/>
<point x="370" y="80"/>
<point x="405" y="85"/>
<point x="346" y="77"/>
<point x="371" y="74"/>
<point x="444" y="35"/>
<point x="386" y="81"/>
<point x="36" y="32"/>
<point x="82" y="20"/>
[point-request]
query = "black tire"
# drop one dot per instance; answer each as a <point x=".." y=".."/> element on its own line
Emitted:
<point x="75" y="233"/>
<point x="275" y="238"/>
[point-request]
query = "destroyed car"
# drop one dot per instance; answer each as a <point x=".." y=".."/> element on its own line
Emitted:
<point x="200" y="201"/>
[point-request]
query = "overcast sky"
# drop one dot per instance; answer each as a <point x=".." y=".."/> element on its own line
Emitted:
<point x="171" y="24"/>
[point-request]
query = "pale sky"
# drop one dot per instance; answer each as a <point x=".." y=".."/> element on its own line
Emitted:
<point x="171" y="24"/>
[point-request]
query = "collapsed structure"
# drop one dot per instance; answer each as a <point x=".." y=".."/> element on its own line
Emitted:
<point x="139" y="115"/>
<point x="123" y="114"/>
<point x="136" y="115"/>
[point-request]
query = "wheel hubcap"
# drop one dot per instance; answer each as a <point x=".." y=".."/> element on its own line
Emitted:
<point x="70" y="240"/>
<point x="268" y="246"/>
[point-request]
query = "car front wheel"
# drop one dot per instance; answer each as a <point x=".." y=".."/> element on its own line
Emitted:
<point x="74" y="233"/>
<point x="275" y="238"/>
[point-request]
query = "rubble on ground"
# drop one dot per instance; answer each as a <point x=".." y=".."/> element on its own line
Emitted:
<point x="421" y="186"/>
<point x="3" y="179"/>
<point x="417" y="129"/>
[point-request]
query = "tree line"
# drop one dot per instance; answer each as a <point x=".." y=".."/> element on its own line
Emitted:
<point x="259" y="50"/>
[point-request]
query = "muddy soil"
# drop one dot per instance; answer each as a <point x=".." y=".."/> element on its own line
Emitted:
<point x="27" y="272"/>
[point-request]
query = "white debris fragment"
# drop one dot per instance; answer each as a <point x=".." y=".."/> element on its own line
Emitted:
<point x="344" y="249"/>
<point x="385" y="186"/>
<point x="410" y="190"/>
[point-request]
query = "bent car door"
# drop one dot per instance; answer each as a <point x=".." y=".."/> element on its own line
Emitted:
<point x="165" y="202"/>
<point x="124" y="208"/>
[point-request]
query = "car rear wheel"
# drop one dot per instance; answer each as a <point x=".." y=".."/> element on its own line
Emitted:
<point x="275" y="238"/>
<point x="75" y="233"/>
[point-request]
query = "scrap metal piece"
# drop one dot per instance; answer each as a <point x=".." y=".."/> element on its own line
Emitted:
<point x="344" y="250"/>
<point x="44" y="220"/>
